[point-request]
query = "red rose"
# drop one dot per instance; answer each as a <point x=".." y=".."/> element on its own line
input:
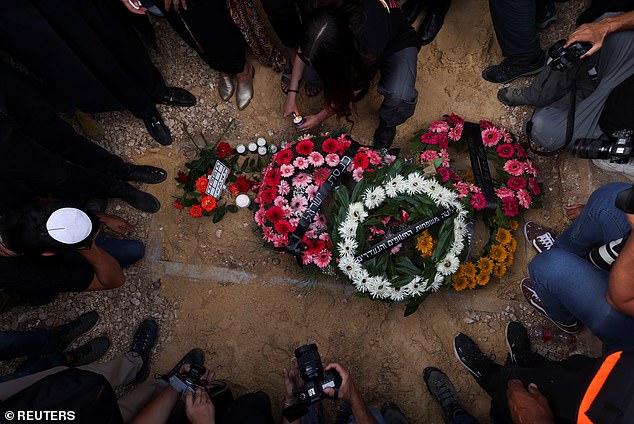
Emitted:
<point x="509" y="206"/>
<point x="201" y="184"/>
<point x="196" y="211"/>
<point x="243" y="184"/>
<point x="284" y="157"/>
<point x="233" y="189"/>
<point x="208" y="203"/>
<point x="360" y="160"/>
<point x="304" y="147"/>
<point x="177" y="204"/>
<point x="274" y="214"/>
<point x="224" y="150"/>
<point x="268" y="195"/>
<point x="330" y="145"/>
<point x="182" y="177"/>
<point x="516" y="183"/>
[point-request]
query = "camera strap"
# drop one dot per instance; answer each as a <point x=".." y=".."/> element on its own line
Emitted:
<point x="480" y="164"/>
<point x="295" y="245"/>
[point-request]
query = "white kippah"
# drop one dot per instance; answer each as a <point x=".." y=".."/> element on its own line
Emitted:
<point x="69" y="225"/>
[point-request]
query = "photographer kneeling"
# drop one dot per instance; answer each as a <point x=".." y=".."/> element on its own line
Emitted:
<point x="600" y="108"/>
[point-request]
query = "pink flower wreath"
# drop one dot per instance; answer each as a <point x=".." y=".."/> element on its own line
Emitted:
<point x="517" y="188"/>
<point x="291" y="181"/>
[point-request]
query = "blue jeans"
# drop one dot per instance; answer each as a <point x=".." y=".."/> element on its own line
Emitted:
<point x="40" y="347"/>
<point x="126" y="252"/>
<point x="571" y="287"/>
<point x="316" y="416"/>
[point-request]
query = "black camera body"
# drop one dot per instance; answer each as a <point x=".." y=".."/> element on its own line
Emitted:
<point x="618" y="148"/>
<point x="316" y="380"/>
<point x="559" y="56"/>
<point x="188" y="382"/>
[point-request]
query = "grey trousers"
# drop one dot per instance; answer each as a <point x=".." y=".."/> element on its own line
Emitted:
<point x="118" y="371"/>
<point x="614" y="64"/>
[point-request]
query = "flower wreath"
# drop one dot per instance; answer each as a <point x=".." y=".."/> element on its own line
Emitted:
<point x="516" y="190"/>
<point x="243" y="177"/>
<point x="291" y="181"/>
<point x="388" y="203"/>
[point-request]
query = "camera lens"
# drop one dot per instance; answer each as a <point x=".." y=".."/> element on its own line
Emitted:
<point x="194" y="374"/>
<point x="586" y="148"/>
<point x="309" y="362"/>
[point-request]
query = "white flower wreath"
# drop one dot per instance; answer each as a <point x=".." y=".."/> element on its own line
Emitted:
<point x="378" y="286"/>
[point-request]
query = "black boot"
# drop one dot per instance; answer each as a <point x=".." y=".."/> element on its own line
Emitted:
<point x="433" y="21"/>
<point x="412" y="9"/>
<point x="384" y="135"/>
<point x="139" y="199"/>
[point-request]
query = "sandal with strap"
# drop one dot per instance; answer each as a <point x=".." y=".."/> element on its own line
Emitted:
<point x="285" y="82"/>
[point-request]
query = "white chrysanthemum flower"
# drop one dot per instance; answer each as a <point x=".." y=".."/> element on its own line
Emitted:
<point x="415" y="183"/>
<point x="432" y="189"/>
<point x="448" y="266"/>
<point x="398" y="294"/>
<point x="357" y="211"/>
<point x="417" y="286"/>
<point x="361" y="279"/>
<point x="374" y="197"/>
<point x="348" y="229"/>
<point x="349" y="266"/>
<point x="379" y="287"/>
<point x="436" y="285"/>
<point x="395" y="185"/>
<point x="348" y="246"/>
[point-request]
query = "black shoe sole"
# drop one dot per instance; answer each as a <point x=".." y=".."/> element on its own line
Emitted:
<point x="525" y="74"/>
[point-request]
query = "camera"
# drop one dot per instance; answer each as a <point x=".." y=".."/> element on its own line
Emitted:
<point x="315" y="381"/>
<point x="188" y="382"/>
<point x="559" y="56"/>
<point x="618" y="148"/>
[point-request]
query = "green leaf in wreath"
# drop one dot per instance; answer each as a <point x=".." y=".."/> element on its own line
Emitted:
<point x="413" y="305"/>
<point x="219" y="213"/>
<point x="444" y="239"/>
<point x="232" y="208"/>
<point x="342" y="196"/>
<point x="404" y="265"/>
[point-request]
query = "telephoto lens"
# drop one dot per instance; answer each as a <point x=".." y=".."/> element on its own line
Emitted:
<point x="309" y="362"/>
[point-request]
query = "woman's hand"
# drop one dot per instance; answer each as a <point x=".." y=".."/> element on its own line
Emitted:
<point x="134" y="6"/>
<point x="312" y="121"/>
<point x="290" y="105"/>
<point x="116" y="224"/>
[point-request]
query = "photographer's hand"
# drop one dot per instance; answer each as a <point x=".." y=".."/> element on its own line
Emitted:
<point x="620" y="293"/>
<point x="134" y="6"/>
<point x="349" y="393"/>
<point x="528" y="406"/>
<point x="199" y="408"/>
<point x="596" y="32"/>
<point x="292" y="380"/>
<point x="115" y="223"/>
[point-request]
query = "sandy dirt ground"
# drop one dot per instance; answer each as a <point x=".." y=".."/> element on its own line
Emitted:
<point x="214" y="286"/>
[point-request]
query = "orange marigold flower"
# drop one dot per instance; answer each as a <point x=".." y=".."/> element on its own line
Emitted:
<point x="425" y="244"/>
<point x="468" y="176"/>
<point x="467" y="270"/>
<point x="512" y="246"/>
<point x="513" y="224"/>
<point x="460" y="285"/>
<point x="472" y="283"/>
<point x="483" y="279"/>
<point x="208" y="203"/>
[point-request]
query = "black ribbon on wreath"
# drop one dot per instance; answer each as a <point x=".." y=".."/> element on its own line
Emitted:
<point x="295" y="245"/>
<point x="480" y="165"/>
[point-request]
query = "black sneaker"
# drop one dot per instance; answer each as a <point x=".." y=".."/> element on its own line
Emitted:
<point x="88" y="353"/>
<point x="471" y="357"/>
<point x="443" y="392"/>
<point x="69" y="332"/>
<point x="518" y="342"/>
<point x="512" y="96"/>
<point x="142" y="343"/>
<point x="193" y="357"/>
<point x="533" y="299"/>
<point x="506" y="72"/>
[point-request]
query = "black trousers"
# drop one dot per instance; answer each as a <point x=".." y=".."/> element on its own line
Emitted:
<point x="41" y="154"/>
<point x="617" y="113"/>
<point x="562" y="382"/>
<point x="285" y="20"/>
<point x="85" y="51"/>
<point x="514" y="24"/>
<point x="216" y="37"/>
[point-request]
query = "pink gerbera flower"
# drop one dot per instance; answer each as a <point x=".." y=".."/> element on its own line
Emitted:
<point x="478" y="201"/>
<point x="491" y="137"/>
<point x="332" y="159"/>
<point x="514" y="167"/>
<point x="509" y="206"/>
<point x="524" y="198"/>
<point x="279" y="201"/>
<point x="439" y="126"/>
<point x="284" y="188"/>
<point x="505" y="151"/>
<point x="311" y="191"/>
<point x="323" y="258"/>
<point x="321" y="175"/>
<point x="444" y="174"/>
<point x="302" y="179"/>
<point x="287" y="170"/>
<point x="534" y="186"/>
<point x="357" y="174"/>
<point x="298" y="203"/>
<point x="300" y="162"/>
<point x="530" y="168"/>
<point x="316" y="159"/>
<point x="516" y="183"/>
<point x="456" y="132"/>
<point x="504" y="192"/>
<point x="428" y="155"/>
